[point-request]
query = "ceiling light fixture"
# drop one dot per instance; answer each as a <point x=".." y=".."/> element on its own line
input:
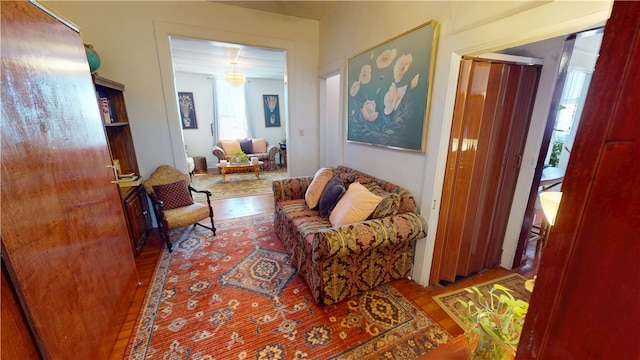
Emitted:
<point x="234" y="78"/>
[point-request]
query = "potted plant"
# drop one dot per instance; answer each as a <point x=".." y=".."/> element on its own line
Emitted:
<point x="239" y="156"/>
<point x="283" y="144"/>
<point x="496" y="323"/>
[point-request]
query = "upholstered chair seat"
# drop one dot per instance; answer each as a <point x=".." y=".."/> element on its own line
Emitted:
<point x="170" y="192"/>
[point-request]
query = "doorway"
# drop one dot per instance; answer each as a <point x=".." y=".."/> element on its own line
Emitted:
<point x="491" y="118"/>
<point x="331" y="130"/>
<point x="204" y="68"/>
<point x="564" y="116"/>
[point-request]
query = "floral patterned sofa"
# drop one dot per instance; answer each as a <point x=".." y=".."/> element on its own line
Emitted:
<point x="257" y="147"/>
<point x="339" y="262"/>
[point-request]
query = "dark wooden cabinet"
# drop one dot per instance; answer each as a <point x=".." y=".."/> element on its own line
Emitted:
<point x="136" y="207"/>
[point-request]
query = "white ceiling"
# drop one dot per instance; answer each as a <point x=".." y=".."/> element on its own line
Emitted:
<point x="214" y="58"/>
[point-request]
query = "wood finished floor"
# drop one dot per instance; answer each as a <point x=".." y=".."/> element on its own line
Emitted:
<point x="422" y="296"/>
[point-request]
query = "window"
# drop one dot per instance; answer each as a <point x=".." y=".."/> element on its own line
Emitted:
<point x="231" y="112"/>
<point x="570" y="109"/>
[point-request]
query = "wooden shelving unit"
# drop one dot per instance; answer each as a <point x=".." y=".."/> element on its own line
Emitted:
<point x="118" y="133"/>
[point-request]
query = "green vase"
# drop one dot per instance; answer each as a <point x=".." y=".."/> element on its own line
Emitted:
<point x="489" y="348"/>
<point x="92" y="57"/>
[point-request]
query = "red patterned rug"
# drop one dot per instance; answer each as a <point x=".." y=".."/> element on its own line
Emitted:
<point x="236" y="296"/>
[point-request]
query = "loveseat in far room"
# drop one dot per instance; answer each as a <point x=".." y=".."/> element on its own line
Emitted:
<point x="252" y="147"/>
<point x="336" y="257"/>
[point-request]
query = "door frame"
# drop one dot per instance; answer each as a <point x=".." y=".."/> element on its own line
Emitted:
<point x="550" y="21"/>
<point x="558" y="88"/>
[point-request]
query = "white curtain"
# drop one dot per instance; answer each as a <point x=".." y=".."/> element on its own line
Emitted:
<point x="230" y="110"/>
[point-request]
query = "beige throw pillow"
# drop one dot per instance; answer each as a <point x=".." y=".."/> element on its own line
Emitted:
<point x="229" y="146"/>
<point x="356" y="205"/>
<point x="315" y="189"/>
<point x="259" y="146"/>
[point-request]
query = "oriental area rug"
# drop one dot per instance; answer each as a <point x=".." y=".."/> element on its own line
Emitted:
<point x="237" y="185"/>
<point x="449" y="301"/>
<point x="236" y="296"/>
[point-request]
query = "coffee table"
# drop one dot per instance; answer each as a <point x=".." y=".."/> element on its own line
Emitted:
<point x="236" y="168"/>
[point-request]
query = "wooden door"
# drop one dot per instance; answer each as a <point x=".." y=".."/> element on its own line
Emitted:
<point x="585" y="301"/>
<point x="64" y="236"/>
<point x="491" y="118"/>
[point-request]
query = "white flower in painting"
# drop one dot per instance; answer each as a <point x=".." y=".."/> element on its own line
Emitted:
<point x="402" y="65"/>
<point x="368" y="111"/>
<point x="414" y="81"/>
<point x="386" y="58"/>
<point x="355" y="88"/>
<point x="365" y="74"/>
<point x="393" y="97"/>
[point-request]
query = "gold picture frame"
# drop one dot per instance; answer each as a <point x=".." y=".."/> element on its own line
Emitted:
<point x="389" y="90"/>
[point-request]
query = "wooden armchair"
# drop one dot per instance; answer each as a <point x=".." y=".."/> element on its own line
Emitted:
<point x="171" y="195"/>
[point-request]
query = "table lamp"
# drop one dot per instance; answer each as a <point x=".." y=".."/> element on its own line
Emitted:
<point x="550" y="201"/>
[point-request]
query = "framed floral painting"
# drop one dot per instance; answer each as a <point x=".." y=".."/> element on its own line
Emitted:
<point x="271" y="110"/>
<point x="187" y="110"/>
<point x="390" y="89"/>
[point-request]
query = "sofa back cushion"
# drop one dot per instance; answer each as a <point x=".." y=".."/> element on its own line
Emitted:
<point x="229" y="146"/>
<point x="389" y="205"/>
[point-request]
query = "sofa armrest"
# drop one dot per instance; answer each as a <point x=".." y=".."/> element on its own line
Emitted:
<point x="219" y="153"/>
<point x="290" y="188"/>
<point x="360" y="237"/>
<point x="272" y="151"/>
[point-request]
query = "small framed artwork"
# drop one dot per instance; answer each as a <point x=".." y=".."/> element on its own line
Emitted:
<point x="390" y="90"/>
<point x="187" y="110"/>
<point x="271" y="110"/>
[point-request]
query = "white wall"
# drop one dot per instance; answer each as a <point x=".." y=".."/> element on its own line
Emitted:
<point x="255" y="109"/>
<point x="132" y="40"/>
<point x="467" y="28"/>
<point x="199" y="141"/>
<point x="135" y="51"/>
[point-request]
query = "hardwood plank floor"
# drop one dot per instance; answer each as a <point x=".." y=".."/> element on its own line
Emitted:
<point x="422" y="296"/>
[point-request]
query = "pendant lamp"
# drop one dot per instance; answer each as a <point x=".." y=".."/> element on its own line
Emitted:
<point x="234" y="78"/>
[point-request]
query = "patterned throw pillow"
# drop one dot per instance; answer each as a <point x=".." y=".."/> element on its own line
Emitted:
<point x="173" y="195"/>
<point x="330" y="196"/>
